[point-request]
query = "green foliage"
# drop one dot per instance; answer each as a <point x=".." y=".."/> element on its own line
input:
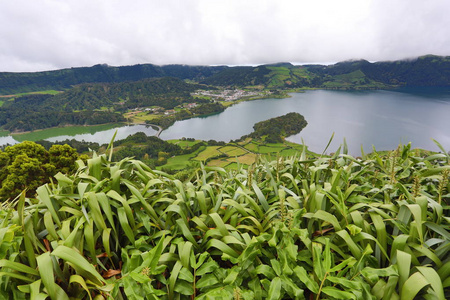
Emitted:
<point x="239" y="76"/>
<point x="208" y="109"/>
<point x="28" y="165"/>
<point x="427" y="70"/>
<point x="28" y="119"/>
<point x="85" y="104"/>
<point x="296" y="228"/>
<point x="147" y="149"/>
<point x="11" y="83"/>
<point x="276" y="128"/>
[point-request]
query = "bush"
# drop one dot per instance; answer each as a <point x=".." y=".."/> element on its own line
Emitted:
<point x="297" y="228"/>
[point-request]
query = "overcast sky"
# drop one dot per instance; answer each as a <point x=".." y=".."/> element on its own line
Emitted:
<point x="40" y="35"/>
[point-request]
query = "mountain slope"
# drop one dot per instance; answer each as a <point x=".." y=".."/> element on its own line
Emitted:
<point x="11" y="83"/>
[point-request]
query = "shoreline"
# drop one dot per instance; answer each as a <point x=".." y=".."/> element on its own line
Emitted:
<point x="65" y="126"/>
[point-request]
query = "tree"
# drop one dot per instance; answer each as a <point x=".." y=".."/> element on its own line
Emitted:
<point x="28" y="165"/>
<point x="63" y="157"/>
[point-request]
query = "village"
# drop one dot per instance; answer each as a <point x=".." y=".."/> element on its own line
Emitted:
<point x="227" y="95"/>
<point x="230" y="95"/>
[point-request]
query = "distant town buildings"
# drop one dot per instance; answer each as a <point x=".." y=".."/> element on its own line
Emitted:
<point x="229" y="95"/>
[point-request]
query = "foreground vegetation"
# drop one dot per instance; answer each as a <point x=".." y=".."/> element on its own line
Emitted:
<point x="302" y="227"/>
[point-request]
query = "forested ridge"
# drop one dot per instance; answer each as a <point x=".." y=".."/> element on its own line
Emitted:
<point x="429" y="70"/>
<point x="93" y="103"/>
<point x="11" y="83"/>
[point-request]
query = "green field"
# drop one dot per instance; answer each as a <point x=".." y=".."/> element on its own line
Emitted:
<point x="71" y="131"/>
<point x="184" y="143"/>
<point x="50" y="92"/>
<point x="234" y="154"/>
<point x="209" y="152"/>
<point x="180" y="162"/>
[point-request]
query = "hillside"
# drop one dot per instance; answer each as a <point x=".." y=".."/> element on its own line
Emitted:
<point x="426" y="70"/>
<point x="429" y="70"/>
<point x="12" y="83"/>
<point x="93" y="103"/>
<point x="268" y="76"/>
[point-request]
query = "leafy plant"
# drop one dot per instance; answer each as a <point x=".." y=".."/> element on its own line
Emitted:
<point x="293" y="228"/>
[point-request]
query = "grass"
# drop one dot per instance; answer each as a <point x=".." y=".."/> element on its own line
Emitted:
<point x="51" y="92"/>
<point x="209" y="152"/>
<point x="184" y="144"/>
<point x="234" y="153"/>
<point x="269" y="149"/>
<point x="71" y="131"/>
<point x="232" y="150"/>
<point x="227" y="103"/>
<point x="180" y="162"/>
<point x="245" y="142"/>
<point x="246" y="159"/>
<point x="141" y="117"/>
<point x="252" y="147"/>
<point x="219" y="163"/>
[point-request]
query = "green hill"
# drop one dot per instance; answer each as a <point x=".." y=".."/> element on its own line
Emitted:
<point x="429" y="70"/>
<point x="12" y="83"/>
<point x="426" y="70"/>
<point x="93" y="103"/>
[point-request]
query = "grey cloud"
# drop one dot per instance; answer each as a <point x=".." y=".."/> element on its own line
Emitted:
<point x="49" y="34"/>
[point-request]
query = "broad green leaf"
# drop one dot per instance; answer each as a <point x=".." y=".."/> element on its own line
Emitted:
<point x="45" y="265"/>
<point x="327" y="217"/>
<point x="78" y="261"/>
<point x="78" y="279"/>
<point x="403" y="266"/>
<point x="207" y="280"/>
<point x="4" y="263"/>
<point x="435" y="281"/>
<point x="44" y="196"/>
<point x="275" y="289"/>
<point x="412" y="286"/>
<point x="304" y="277"/>
<point x="337" y="294"/>
<point x="208" y="267"/>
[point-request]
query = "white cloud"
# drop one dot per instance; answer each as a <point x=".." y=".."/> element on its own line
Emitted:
<point x="50" y="34"/>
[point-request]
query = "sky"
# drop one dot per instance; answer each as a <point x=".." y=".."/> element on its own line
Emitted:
<point x="37" y="35"/>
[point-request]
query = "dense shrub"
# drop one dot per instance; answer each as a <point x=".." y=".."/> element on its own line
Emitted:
<point x="299" y="228"/>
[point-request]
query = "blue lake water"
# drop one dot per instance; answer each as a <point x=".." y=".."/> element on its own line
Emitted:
<point x="370" y="118"/>
<point x="382" y="119"/>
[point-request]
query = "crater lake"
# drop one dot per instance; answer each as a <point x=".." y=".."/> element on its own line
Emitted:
<point x="379" y="118"/>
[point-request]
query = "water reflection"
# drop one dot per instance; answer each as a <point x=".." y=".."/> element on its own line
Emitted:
<point x="379" y="118"/>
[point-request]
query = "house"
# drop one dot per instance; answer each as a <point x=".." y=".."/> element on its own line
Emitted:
<point x="169" y="112"/>
<point x="190" y="105"/>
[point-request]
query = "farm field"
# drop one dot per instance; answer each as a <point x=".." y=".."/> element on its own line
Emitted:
<point x="245" y="153"/>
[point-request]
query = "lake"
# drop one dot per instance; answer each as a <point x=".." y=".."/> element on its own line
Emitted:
<point x="379" y="118"/>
